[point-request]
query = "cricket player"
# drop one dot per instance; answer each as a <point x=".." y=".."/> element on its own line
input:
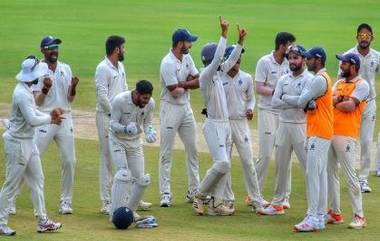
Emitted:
<point x="369" y="65"/>
<point x="178" y="75"/>
<point x="291" y="131"/>
<point x="110" y="80"/>
<point x="131" y="114"/>
<point x="57" y="89"/>
<point x="238" y="86"/>
<point x="269" y="69"/>
<point x="216" y="128"/>
<point x="349" y="100"/>
<point x="22" y="155"/>
<point x="316" y="100"/>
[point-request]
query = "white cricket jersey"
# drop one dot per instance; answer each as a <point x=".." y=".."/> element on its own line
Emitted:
<point x="239" y="94"/>
<point x="109" y="81"/>
<point x="24" y="116"/>
<point x="125" y="111"/>
<point x="172" y="71"/>
<point x="269" y="71"/>
<point x="369" y="65"/>
<point x="59" y="91"/>
<point x="290" y="85"/>
<point x="211" y="83"/>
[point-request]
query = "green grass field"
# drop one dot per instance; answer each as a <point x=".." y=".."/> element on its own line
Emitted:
<point x="178" y="222"/>
<point x="83" y="25"/>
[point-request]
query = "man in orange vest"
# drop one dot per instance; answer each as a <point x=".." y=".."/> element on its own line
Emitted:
<point x="316" y="100"/>
<point x="349" y="100"/>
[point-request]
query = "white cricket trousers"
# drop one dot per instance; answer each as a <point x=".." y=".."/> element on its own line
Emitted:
<point x="342" y="151"/>
<point x="241" y="137"/>
<point x="267" y="127"/>
<point x="173" y="119"/>
<point x="316" y="175"/>
<point x="218" y="137"/>
<point x="366" y="138"/>
<point x="289" y="137"/>
<point x="127" y="155"/>
<point x="22" y="164"/>
<point x="105" y="165"/>
<point x="63" y="135"/>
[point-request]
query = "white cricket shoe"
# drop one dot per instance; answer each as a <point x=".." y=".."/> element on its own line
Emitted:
<point x="219" y="210"/>
<point x="358" y="222"/>
<point x="47" y="225"/>
<point x="190" y="196"/>
<point x="364" y="186"/>
<point x="308" y="224"/>
<point x="378" y="173"/>
<point x="230" y="204"/>
<point x="65" y="208"/>
<point x="272" y="210"/>
<point x="166" y="200"/>
<point x="6" y="231"/>
<point x="106" y="207"/>
<point x="144" y="206"/>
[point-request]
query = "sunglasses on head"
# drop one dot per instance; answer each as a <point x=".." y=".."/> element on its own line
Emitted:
<point x="36" y="61"/>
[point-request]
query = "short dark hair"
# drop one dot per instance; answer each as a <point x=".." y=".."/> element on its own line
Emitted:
<point x="282" y="38"/>
<point x="144" y="87"/>
<point x="364" y="26"/>
<point x="113" y="42"/>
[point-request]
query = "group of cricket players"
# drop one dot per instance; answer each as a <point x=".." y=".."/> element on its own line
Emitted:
<point x="299" y="108"/>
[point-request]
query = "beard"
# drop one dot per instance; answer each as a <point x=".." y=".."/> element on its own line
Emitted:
<point x="345" y="74"/>
<point x="52" y="58"/>
<point x="120" y="57"/>
<point x="184" y="50"/>
<point x="364" y="44"/>
<point x="294" y="67"/>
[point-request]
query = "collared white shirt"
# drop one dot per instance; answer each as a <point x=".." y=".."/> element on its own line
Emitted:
<point x="125" y="111"/>
<point x="59" y="91"/>
<point x="172" y="71"/>
<point x="369" y="65"/>
<point x="24" y="114"/>
<point x="239" y="93"/>
<point x="290" y="85"/>
<point x="109" y="81"/>
<point x="269" y="71"/>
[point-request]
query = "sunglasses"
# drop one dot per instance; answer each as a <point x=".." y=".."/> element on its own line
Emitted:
<point x="52" y="47"/>
<point x="365" y="35"/>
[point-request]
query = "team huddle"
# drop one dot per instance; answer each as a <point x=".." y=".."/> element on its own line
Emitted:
<point x="300" y="109"/>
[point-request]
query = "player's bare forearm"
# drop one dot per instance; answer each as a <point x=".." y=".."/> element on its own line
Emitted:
<point x="263" y="89"/>
<point x="192" y="82"/>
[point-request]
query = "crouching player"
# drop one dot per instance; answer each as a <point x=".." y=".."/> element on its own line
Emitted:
<point x="131" y="115"/>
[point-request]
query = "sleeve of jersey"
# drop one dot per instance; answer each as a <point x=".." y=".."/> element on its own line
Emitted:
<point x="251" y="99"/>
<point x="277" y="102"/>
<point x="317" y="88"/>
<point x="168" y="74"/>
<point x="234" y="57"/>
<point x="149" y="116"/>
<point x="101" y="85"/>
<point x="29" y="112"/>
<point x="194" y="70"/>
<point x="260" y="75"/>
<point x="116" y="116"/>
<point x="208" y="72"/>
<point x="361" y="91"/>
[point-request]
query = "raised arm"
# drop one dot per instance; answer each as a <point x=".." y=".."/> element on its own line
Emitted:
<point x="235" y="55"/>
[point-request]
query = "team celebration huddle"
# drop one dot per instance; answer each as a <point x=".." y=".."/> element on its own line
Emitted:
<point x="300" y="108"/>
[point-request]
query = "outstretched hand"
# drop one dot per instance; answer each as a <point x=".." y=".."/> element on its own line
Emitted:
<point x="224" y="26"/>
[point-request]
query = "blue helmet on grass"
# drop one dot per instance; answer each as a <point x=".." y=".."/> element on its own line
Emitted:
<point x="122" y="218"/>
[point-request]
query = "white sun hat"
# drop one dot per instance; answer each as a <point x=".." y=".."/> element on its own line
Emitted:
<point x="31" y="69"/>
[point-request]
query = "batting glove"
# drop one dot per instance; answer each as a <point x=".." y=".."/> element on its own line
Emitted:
<point x="150" y="135"/>
<point x="131" y="128"/>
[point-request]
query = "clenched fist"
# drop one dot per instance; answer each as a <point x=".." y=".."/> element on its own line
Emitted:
<point x="56" y="116"/>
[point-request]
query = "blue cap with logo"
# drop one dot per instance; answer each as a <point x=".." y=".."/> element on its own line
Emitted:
<point x="183" y="34"/>
<point x="229" y="50"/>
<point x="351" y="58"/>
<point x="316" y="52"/>
<point x="49" y="40"/>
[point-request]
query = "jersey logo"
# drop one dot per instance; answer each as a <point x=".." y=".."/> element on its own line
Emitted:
<point x="240" y="82"/>
<point x="273" y="72"/>
<point x="312" y="147"/>
<point x="225" y="83"/>
<point x="348" y="148"/>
